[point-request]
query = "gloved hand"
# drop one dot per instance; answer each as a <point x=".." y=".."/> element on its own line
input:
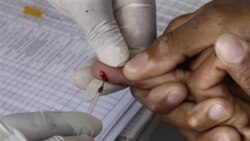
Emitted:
<point x="49" y="126"/>
<point x="115" y="29"/>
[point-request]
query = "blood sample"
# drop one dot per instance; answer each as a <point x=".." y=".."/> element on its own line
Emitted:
<point x="104" y="77"/>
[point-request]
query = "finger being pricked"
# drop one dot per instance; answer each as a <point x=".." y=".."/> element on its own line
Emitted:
<point x="116" y="76"/>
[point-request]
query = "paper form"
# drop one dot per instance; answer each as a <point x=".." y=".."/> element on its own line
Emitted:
<point x="37" y="59"/>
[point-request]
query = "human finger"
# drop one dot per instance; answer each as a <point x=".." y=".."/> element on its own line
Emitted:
<point x="201" y="58"/>
<point x="115" y="75"/>
<point x="84" y="80"/>
<point x="221" y="133"/>
<point x="177" y="75"/>
<point x="179" y="115"/>
<point x="191" y="38"/>
<point x="137" y="21"/>
<point x="234" y="54"/>
<point x="89" y="79"/>
<point x="206" y="80"/>
<point x="217" y="112"/>
<point x="210" y="113"/>
<point x="96" y="19"/>
<point x="163" y="98"/>
<point x="40" y="126"/>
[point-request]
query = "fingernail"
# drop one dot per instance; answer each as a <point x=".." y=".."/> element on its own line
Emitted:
<point x="223" y="138"/>
<point x="218" y="112"/>
<point x="230" y="49"/>
<point x="175" y="98"/>
<point x="137" y="63"/>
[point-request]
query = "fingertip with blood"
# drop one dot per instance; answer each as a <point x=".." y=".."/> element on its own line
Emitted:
<point x="114" y="75"/>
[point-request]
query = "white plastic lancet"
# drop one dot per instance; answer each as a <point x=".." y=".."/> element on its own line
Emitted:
<point x="99" y="91"/>
<point x="93" y="103"/>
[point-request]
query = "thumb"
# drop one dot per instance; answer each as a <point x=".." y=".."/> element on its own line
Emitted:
<point x="234" y="53"/>
<point x="96" y="19"/>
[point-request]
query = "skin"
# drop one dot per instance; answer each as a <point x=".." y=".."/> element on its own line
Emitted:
<point x="190" y="39"/>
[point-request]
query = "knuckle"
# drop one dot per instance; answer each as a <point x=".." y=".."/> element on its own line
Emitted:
<point x="171" y="39"/>
<point x="172" y="36"/>
<point x="162" y="42"/>
<point x="160" y="47"/>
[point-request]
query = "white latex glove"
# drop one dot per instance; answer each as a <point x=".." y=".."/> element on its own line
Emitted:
<point x="49" y="126"/>
<point x="115" y="29"/>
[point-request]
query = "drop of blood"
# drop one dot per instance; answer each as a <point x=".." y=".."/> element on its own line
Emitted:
<point x="104" y="77"/>
<point x="100" y="89"/>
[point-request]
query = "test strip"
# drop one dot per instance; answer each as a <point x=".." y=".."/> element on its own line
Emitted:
<point x="93" y="103"/>
<point x="33" y="11"/>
